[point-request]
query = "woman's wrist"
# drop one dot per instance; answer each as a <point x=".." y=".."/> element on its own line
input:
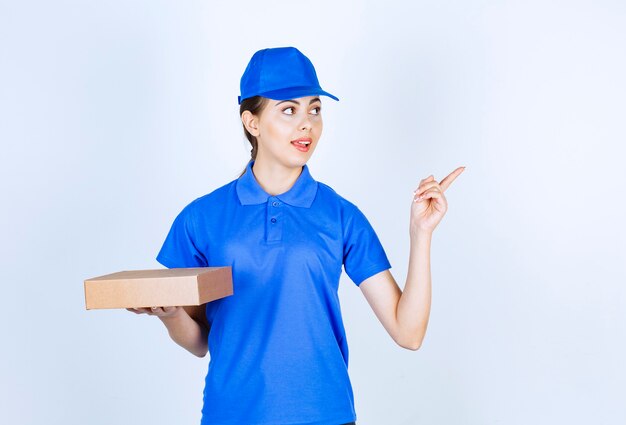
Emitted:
<point x="417" y="233"/>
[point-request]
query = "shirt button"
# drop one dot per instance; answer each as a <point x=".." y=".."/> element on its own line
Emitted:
<point x="275" y="203"/>
<point x="273" y="220"/>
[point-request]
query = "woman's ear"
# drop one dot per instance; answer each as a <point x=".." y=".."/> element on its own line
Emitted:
<point x="251" y="122"/>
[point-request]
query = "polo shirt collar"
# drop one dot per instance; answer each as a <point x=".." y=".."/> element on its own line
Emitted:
<point x="301" y="194"/>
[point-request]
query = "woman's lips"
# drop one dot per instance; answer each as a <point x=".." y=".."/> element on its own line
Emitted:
<point x="302" y="147"/>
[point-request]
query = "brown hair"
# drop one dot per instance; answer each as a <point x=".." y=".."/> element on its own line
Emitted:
<point x="255" y="105"/>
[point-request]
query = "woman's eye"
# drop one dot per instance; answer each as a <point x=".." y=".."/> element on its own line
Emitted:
<point x="317" y="108"/>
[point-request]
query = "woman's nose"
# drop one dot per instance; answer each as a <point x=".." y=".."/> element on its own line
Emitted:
<point x="306" y="124"/>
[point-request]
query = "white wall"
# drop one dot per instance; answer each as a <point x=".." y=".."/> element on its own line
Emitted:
<point x="114" y="115"/>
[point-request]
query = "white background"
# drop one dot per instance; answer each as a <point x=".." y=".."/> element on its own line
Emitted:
<point x="114" y="115"/>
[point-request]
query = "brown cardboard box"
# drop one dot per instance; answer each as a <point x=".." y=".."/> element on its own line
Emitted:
<point x="158" y="288"/>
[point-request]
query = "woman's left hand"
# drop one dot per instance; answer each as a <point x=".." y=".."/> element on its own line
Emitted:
<point x="429" y="203"/>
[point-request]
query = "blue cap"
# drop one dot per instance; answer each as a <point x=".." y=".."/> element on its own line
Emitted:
<point x="280" y="73"/>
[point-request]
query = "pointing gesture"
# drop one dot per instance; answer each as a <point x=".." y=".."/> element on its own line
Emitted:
<point x="429" y="203"/>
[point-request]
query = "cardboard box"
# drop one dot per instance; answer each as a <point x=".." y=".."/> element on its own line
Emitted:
<point x="158" y="288"/>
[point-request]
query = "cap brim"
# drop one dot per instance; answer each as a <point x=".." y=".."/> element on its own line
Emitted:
<point x="294" y="92"/>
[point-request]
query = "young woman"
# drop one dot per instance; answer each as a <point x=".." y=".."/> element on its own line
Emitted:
<point x="278" y="349"/>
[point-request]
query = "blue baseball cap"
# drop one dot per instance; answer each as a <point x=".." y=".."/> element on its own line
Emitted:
<point x="280" y="73"/>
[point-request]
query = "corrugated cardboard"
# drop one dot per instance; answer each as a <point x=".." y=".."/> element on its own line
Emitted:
<point x="158" y="288"/>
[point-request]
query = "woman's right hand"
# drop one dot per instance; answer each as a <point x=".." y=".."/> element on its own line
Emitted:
<point x="157" y="311"/>
<point x="186" y="326"/>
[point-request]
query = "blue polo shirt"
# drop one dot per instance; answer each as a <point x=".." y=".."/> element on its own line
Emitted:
<point x="278" y="348"/>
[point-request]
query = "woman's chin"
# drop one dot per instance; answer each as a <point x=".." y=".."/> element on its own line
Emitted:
<point x="300" y="159"/>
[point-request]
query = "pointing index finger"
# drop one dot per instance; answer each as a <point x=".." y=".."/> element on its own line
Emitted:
<point x="446" y="182"/>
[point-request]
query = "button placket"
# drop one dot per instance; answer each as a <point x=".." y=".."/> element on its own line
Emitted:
<point x="274" y="222"/>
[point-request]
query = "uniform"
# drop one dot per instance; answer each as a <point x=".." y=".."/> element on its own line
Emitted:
<point x="278" y="348"/>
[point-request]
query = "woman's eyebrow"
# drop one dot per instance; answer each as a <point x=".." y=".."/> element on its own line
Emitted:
<point x="295" y="101"/>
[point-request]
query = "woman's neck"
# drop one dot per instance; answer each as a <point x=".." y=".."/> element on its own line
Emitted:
<point x="275" y="178"/>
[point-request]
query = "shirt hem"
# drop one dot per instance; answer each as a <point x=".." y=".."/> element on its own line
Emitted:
<point x="372" y="271"/>
<point x="166" y="261"/>
<point x="325" y="422"/>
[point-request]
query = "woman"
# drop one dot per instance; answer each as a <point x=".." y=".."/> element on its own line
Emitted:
<point x="279" y="353"/>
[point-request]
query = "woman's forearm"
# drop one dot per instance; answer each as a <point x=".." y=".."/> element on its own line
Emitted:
<point x="414" y="304"/>
<point x="186" y="332"/>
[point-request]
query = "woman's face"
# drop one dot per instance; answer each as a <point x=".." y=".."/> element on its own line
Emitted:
<point x="282" y="122"/>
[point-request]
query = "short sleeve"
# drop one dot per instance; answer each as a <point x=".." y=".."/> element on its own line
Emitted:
<point x="363" y="254"/>
<point x="180" y="248"/>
